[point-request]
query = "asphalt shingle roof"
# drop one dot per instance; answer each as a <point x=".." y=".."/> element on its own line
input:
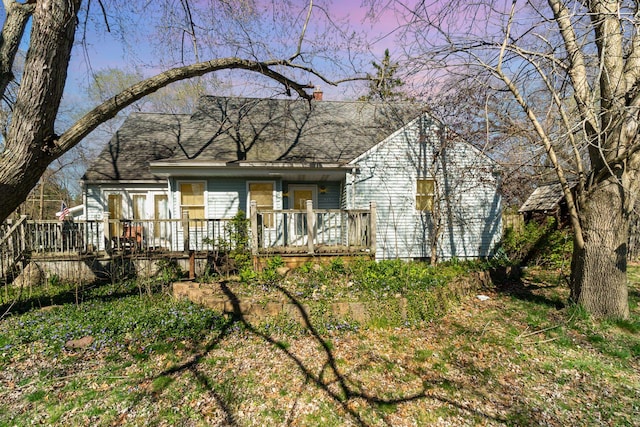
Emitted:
<point x="234" y="129"/>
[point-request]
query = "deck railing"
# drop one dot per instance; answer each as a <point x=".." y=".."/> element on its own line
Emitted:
<point x="125" y="235"/>
<point x="313" y="230"/>
<point x="272" y="231"/>
<point x="13" y="246"/>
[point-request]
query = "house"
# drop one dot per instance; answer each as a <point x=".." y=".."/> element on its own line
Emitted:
<point x="306" y="171"/>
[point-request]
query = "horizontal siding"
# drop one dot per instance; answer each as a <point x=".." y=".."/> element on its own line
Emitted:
<point x="330" y="198"/>
<point x="470" y="203"/>
<point x="95" y="206"/>
<point x="225" y="197"/>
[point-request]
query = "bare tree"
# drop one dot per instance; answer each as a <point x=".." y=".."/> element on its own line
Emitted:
<point x="31" y="142"/>
<point x="572" y="70"/>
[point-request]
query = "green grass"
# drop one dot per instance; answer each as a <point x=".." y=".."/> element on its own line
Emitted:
<point x="517" y="359"/>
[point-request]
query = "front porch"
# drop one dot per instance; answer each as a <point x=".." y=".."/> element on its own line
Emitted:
<point x="299" y="233"/>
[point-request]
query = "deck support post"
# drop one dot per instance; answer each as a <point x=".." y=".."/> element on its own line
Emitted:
<point x="311" y="227"/>
<point x="185" y="232"/>
<point x="372" y="228"/>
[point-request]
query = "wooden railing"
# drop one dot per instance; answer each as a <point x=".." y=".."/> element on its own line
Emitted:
<point x="125" y="235"/>
<point x="313" y="230"/>
<point x="13" y="246"/>
<point x="272" y="231"/>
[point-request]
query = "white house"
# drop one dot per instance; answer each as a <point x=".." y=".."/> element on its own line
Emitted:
<point x="433" y="192"/>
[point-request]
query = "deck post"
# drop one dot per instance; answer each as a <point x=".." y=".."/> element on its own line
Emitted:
<point x="372" y="228"/>
<point x="23" y="234"/>
<point x="185" y="232"/>
<point x="106" y="231"/>
<point x="311" y="225"/>
<point x="253" y="219"/>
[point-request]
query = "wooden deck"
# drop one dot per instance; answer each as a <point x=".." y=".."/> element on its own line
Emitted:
<point x="290" y="233"/>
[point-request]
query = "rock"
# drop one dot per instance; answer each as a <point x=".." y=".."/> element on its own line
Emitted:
<point x="30" y="276"/>
<point x="283" y="271"/>
<point x="80" y="343"/>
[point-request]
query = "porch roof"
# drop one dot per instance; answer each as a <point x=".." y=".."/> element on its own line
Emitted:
<point x="295" y="170"/>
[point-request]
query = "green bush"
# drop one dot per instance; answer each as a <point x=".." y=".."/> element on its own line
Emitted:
<point x="234" y="247"/>
<point x="543" y="244"/>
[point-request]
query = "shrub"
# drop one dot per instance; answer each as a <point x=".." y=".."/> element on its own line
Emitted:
<point x="538" y="244"/>
<point x="234" y="253"/>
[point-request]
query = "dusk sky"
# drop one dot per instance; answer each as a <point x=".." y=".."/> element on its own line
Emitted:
<point x="104" y="50"/>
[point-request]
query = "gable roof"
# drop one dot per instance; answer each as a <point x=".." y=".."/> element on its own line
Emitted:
<point x="225" y="129"/>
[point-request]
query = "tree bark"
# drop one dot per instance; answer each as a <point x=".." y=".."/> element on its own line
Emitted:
<point x="16" y="18"/>
<point x="30" y="140"/>
<point x="599" y="267"/>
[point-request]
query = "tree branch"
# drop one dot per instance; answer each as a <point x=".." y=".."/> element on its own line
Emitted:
<point x="573" y="210"/>
<point x="577" y="68"/>
<point x="112" y="106"/>
<point x="17" y="15"/>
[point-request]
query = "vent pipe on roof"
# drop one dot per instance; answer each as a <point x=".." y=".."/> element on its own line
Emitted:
<point x="317" y="94"/>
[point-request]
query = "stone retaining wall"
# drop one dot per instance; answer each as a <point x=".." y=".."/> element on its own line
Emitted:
<point x="210" y="295"/>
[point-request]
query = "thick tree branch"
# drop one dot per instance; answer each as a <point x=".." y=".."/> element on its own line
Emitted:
<point x="632" y="66"/>
<point x="17" y="15"/>
<point x="577" y="68"/>
<point x="111" y="107"/>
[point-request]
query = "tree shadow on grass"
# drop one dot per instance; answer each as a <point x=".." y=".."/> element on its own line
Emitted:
<point x="341" y="387"/>
<point x="515" y="285"/>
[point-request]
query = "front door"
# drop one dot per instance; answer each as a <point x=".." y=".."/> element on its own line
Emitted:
<point x="299" y="194"/>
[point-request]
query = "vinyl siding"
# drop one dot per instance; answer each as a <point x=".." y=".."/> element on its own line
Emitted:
<point x="467" y="189"/>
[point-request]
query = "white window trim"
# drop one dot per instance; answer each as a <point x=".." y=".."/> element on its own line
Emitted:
<point x="415" y="200"/>
<point x="179" y="195"/>
<point x="131" y="209"/>
<point x="124" y="208"/>
<point x="248" y="186"/>
<point x="273" y="194"/>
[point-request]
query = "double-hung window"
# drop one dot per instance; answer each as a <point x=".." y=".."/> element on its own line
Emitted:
<point x="262" y="194"/>
<point x="192" y="200"/>
<point x="425" y="194"/>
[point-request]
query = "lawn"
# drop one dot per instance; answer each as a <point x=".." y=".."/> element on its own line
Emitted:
<point x="520" y="357"/>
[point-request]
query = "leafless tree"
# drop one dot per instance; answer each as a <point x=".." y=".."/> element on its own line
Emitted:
<point x="572" y="71"/>
<point x="31" y="142"/>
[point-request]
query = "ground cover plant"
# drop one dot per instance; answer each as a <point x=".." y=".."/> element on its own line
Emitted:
<point x="521" y="357"/>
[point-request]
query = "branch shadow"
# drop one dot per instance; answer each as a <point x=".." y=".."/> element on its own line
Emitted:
<point x="341" y="387"/>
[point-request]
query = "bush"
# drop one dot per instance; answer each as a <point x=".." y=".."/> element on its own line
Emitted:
<point x="234" y="253"/>
<point x="538" y="244"/>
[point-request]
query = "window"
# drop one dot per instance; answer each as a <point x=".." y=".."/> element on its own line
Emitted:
<point x="139" y="202"/>
<point x="262" y="194"/>
<point x="192" y="200"/>
<point x="114" y="204"/>
<point x="425" y="192"/>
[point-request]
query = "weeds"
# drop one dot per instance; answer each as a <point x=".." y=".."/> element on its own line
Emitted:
<point x="507" y="360"/>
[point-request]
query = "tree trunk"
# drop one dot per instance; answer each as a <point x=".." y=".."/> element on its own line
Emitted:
<point x="599" y="269"/>
<point x="30" y="144"/>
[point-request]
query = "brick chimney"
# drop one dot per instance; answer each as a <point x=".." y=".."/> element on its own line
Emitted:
<point x="317" y="94"/>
